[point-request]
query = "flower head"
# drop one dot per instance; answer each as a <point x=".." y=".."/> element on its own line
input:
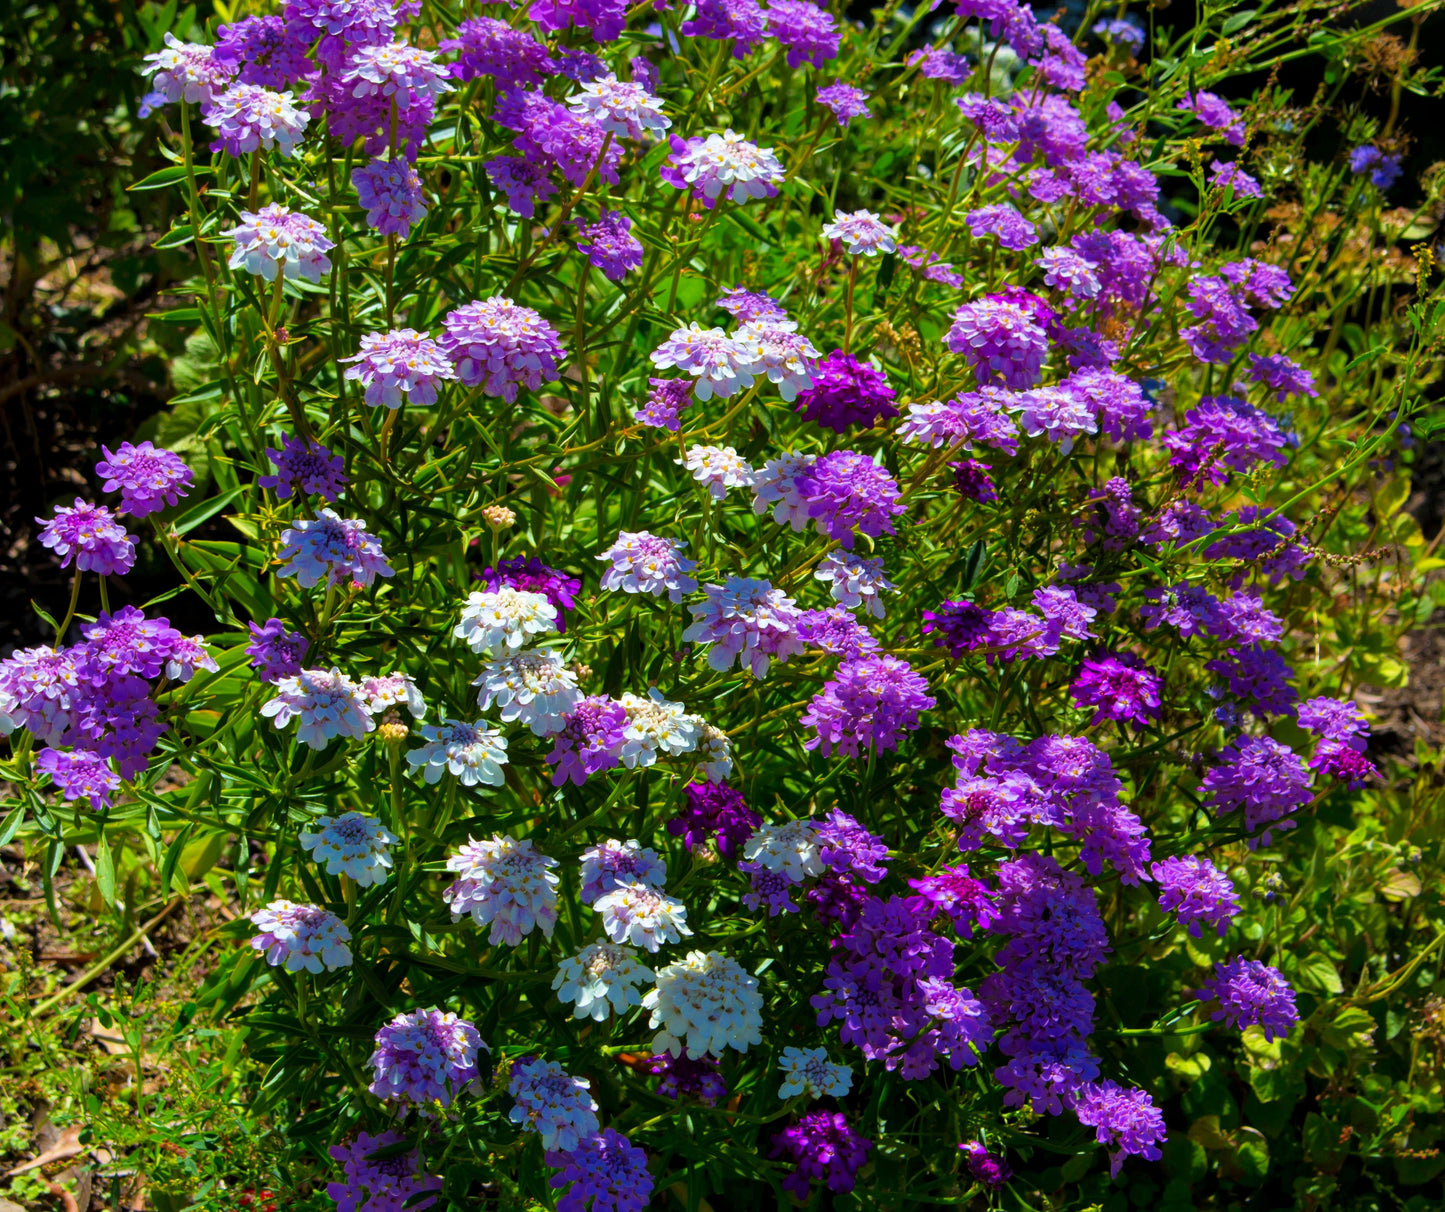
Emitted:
<point x="1119" y="686"/>
<point x="351" y="844"/>
<point x="1002" y="341"/>
<point x="500" y="346"/>
<point x="397" y="362"/>
<point x="823" y="1148"/>
<point x="861" y="232"/>
<point x="327" y="704"/>
<point x="305" y="466"/>
<point x="609" y="244"/>
<point x="275" y="651"/>
<point x="425" y="1055"/>
<point x="809" y="1071"/>
<point x="90" y="537"/>
<point x="870" y="701"/>
<point x="79" y="775"/>
<point x="301" y="937"/>
<point x="247" y="117"/>
<point x="854" y="581"/>
<point x="378" y="1177"/>
<point x="846" y="101"/>
<point x="1196" y="891"/>
<point x="654" y="724"/>
<point x="644" y="563"/>
<point x="718" y="468"/>
<point x="187" y="71"/>
<point x="601" y="979"/>
<point x="722" y="166"/>
<point x="506" y="883"/>
<point x="604" y="1171"/>
<point x="634" y="912"/>
<point x="147" y="477"/>
<point x="704" y="1005"/>
<point x="1250" y="993"/>
<point x="846" y="392"/>
<point x="473" y="753"/>
<point x="848" y="492"/>
<point x="719" y="364"/>
<point x="745" y="621"/>
<point x="552" y="1103"/>
<point x="331" y="548"/>
<point x="276" y="240"/>
<point x="590" y="740"/>
<point x="504" y="620"/>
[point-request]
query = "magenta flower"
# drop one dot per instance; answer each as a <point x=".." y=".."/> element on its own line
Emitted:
<point x="1002" y="341"/>
<point x="824" y="1149"/>
<point x="846" y="392"/>
<point x="373" y="1181"/>
<point x="847" y="492"/>
<point x="1250" y="993"/>
<point x="1119" y="686"/>
<point x="809" y="33"/>
<point x="869" y="702"/>
<point x="499" y="346"/>
<point x="79" y="774"/>
<point x="90" y="537"/>
<point x="666" y="398"/>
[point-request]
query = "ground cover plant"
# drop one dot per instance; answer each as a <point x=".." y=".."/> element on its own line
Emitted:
<point x="787" y="605"/>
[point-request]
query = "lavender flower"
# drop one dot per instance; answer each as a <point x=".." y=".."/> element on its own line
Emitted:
<point x="746" y="305"/>
<point x="186" y="71"/>
<point x="590" y="740"/>
<point x="684" y="1077"/>
<point x="307" y="466"/>
<point x="1196" y="891"/>
<point x="861" y="232"/>
<point x="645" y="563"/>
<point x="870" y="702"/>
<point x="147" y="477"/>
<point x="1124" y="1118"/>
<point x="486" y="46"/>
<point x="474" y="753"/>
<point x="1261" y="776"/>
<point x="391" y="194"/>
<point x="722" y="166"/>
<point x="846" y="392"/>
<point x="1119" y="686"/>
<point x="373" y="1182"/>
<point x="1216" y="114"/>
<point x="90" y="537"/>
<point x="247" y="117"/>
<point x="846" y="101"/>
<point x="552" y="1103"/>
<point x="784" y="357"/>
<point x="835" y="631"/>
<point x="666" y="398"/>
<point x="301" y="937"/>
<point x="78" y="774"/>
<point x="824" y="1149"/>
<point x="747" y="622"/>
<point x="1225" y="175"/>
<point x="327" y="705"/>
<point x="500" y="346"/>
<point x="854" y="581"/>
<point x="740" y="22"/>
<point x="717" y="468"/>
<point x="610" y="246"/>
<point x="400" y="361"/>
<point x="633" y="912"/>
<point x="263" y="51"/>
<point x="506" y="883"/>
<point x="628" y="111"/>
<point x="333" y="549"/>
<point x="351" y="844"/>
<point x="424" y="1056"/>
<point x="275" y="651"/>
<point x="847" y="492"/>
<point x="604" y="1171"/>
<point x="719" y="364"/>
<point x="1012" y="230"/>
<point x="1282" y="376"/>
<point x="1066" y="270"/>
<point x="524" y="182"/>
<point x="1002" y="341"/>
<point x="809" y="33"/>
<point x="1250" y="993"/>
<point x="275" y="240"/>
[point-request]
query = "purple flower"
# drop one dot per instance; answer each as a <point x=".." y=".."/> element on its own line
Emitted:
<point x="974" y="417"/>
<point x="747" y="305"/>
<point x="666" y="398"/>
<point x="1334" y="719"/>
<point x="589" y="741"/>
<point x="722" y="166"/>
<point x="861" y="233"/>
<point x="552" y="1103"/>
<point x="331" y="548"/>
<point x="263" y="51"/>
<point x="307" y="466"/>
<point x="485" y="46"/>
<point x="1258" y="677"/>
<point x="147" y="477"/>
<point x="1002" y="341"/>
<point x="247" y="117"/>
<point x="1224" y="434"/>
<point x="959" y="626"/>
<point x="523" y="181"/>
<point x="1250" y="993"/>
<point x="376" y="1183"/>
<point x="396" y="362"/>
<point x="391" y="194"/>
<point x="987" y="1168"/>
<point x="125" y="642"/>
<point x="846" y="392"/>
<point x="930" y="266"/>
<point x="610" y="245"/>
<point x="967" y="901"/>
<point x="1281" y="375"/>
<point x="1125" y="1118"/>
<point x="822" y="1148"/>
<point x="1120" y="687"/>
<point x="1384" y="170"/>
<point x="1119" y="403"/>
<point x="1121" y="32"/>
<point x="275" y="240"/>
<point x="499" y="346"/>
<point x="972" y="481"/>
<point x="625" y="110"/>
<point x="186" y="71"/>
<point x="79" y="774"/>
<point x="845" y="101"/>
<point x="716" y="813"/>
<point x="425" y="1055"/>
<point x="1230" y="176"/>
<point x="1012" y="229"/>
<point x="530" y="575"/>
<point x="1195" y="890"/>
<point x="1261" y="776"/>
<point x="605" y="1172"/>
<point x="835" y="631"/>
<point x="869" y="702"/>
<point x="740" y="22"/>
<point x="684" y="1077"/>
<point x="89" y="536"/>
<point x="1063" y="65"/>
<point x="746" y="622"/>
<point x="846" y="491"/>
<point x="553" y="137"/>
<point x="40" y="692"/>
<point x="1343" y="762"/>
<point x="809" y="33"/>
<point x="1216" y="114"/>
<point x="301" y="937"/>
<point x="604" y="18"/>
<point x="1066" y="270"/>
<point x="381" y="88"/>
<point x="275" y="651"/>
<point x="1266" y="541"/>
<point x="846" y="847"/>
<point x="339" y="23"/>
<point x="1055" y="413"/>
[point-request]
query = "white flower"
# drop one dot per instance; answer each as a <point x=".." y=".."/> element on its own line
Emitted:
<point x="654" y="724"/>
<point x="786" y="357"/>
<point x="533" y="687"/>
<point x="791" y="848"/>
<point x="504" y="882"/>
<point x="861" y="231"/>
<point x="720" y="364"/>
<point x="351" y="844"/>
<point x="646" y="563"/>
<point x="717" y="468"/>
<point x="773" y="488"/>
<point x="393" y="690"/>
<point x="746" y="621"/>
<point x="505" y="619"/>
<point x="727" y="165"/>
<point x="474" y="753"/>
<point x="327" y="704"/>
<point x="809" y="1069"/>
<point x="854" y="580"/>
<point x="601" y="978"/>
<point x="704" y="1005"/>
<point x="714" y="754"/>
<point x="634" y="913"/>
<point x="301" y="936"/>
<point x="609" y="864"/>
<point x="626" y="110"/>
